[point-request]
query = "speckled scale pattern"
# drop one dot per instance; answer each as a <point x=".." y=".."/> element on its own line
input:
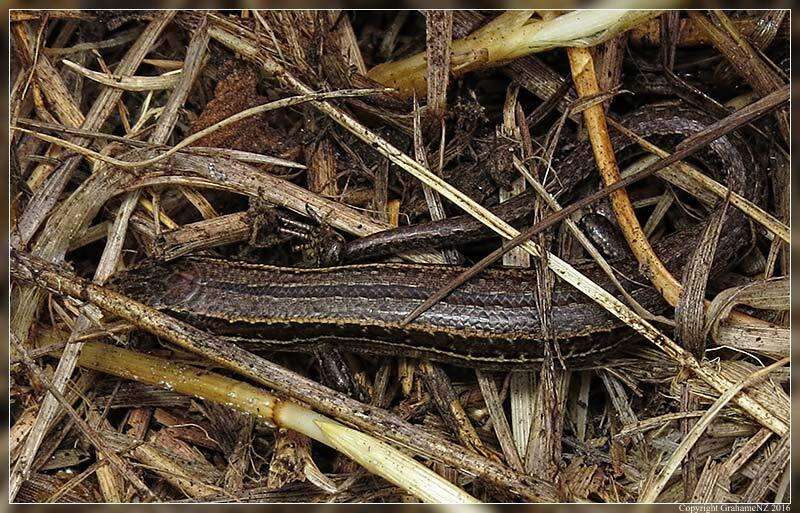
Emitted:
<point x="492" y="320"/>
<point x="498" y="304"/>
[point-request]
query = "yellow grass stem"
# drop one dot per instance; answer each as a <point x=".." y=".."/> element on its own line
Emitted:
<point x="509" y="36"/>
<point x="378" y="457"/>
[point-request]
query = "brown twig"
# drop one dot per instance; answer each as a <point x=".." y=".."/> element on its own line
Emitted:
<point x="585" y="80"/>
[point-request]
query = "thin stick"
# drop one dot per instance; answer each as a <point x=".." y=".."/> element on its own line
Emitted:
<point x="582" y="239"/>
<point x="586" y="85"/>
<point x="243" y="156"/>
<point x="585" y="79"/>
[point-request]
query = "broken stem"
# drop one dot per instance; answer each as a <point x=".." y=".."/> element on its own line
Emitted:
<point x="378" y="457"/>
<point x="509" y="36"/>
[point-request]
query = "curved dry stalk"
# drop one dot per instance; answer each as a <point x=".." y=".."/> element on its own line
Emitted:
<point x="585" y="81"/>
<point x="118" y="40"/>
<point x="277" y="104"/>
<point x="242" y="156"/>
<point x="128" y="83"/>
<point x="378" y="457"/>
<point x="655" y="488"/>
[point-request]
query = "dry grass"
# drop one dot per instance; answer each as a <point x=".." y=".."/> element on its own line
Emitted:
<point x="271" y="136"/>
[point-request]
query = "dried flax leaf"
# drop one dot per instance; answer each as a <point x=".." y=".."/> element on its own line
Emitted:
<point x="581" y="478"/>
<point x="772" y="294"/>
<point x="130" y="83"/>
<point x="348" y="43"/>
<point x="112" y="484"/>
<point x="501" y="428"/>
<point x="689" y="465"/>
<point x="742" y="56"/>
<point x="609" y="65"/>
<point x="670" y="25"/>
<point x="544" y="456"/>
<point x="766" y="30"/>
<point x="580" y="409"/>
<point x="718" y="480"/>
<point x="522" y="397"/>
<point x="690" y="310"/>
<point x="449" y="407"/>
<point x="713" y="484"/>
<point x="39" y="488"/>
<point x="620" y="402"/>
<point x="747" y="450"/>
<point x="322" y="172"/>
<point x="194" y="476"/>
<point x="773" y="341"/>
<point x="204" y="234"/>
<point x="523" y="384"/>
<point x="438" y="36"/>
